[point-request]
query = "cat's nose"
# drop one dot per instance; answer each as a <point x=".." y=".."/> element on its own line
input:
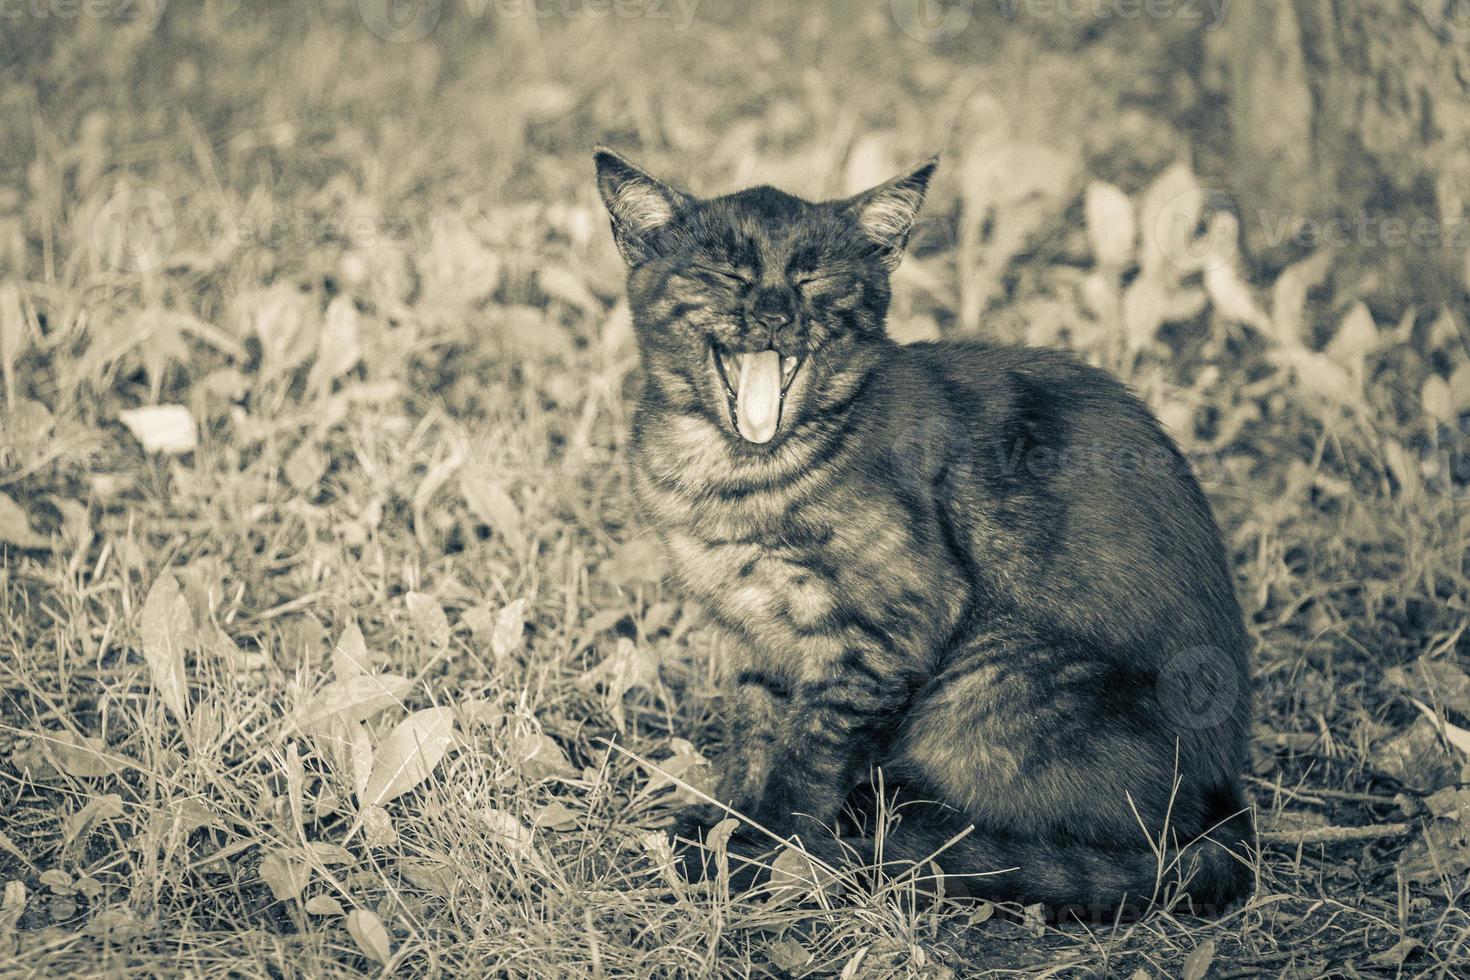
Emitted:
<point x="774" y="319"/>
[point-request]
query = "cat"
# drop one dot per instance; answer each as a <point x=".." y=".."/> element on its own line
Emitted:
<point x="982" y="570"/>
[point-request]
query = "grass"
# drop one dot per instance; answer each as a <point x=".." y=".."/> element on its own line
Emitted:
<point x="377" y="277"/>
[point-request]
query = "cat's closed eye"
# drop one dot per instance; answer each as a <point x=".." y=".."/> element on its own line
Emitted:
<point x="724" y="275"/>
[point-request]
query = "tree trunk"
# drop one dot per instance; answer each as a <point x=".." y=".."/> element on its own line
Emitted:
<point x="1348" y="127"/>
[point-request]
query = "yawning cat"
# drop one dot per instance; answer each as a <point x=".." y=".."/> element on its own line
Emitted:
<point x="983" y="569"/>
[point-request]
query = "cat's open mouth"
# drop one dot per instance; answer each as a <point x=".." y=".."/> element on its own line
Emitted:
<point x="755" y="385"/>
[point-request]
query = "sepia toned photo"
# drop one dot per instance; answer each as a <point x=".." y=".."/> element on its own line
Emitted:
<point x="726" y="488"/>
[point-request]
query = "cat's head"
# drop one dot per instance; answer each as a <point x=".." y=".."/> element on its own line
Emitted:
<point x="748" y="306"/>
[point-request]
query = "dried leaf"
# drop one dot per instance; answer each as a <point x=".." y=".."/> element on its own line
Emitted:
<point x="1145" y="309"/>
<point x="350" y="655"/>
<point x="98" y="808"/>
<point x="555" y="816"/>
<point x="491" y="504"/>
<point x="305" y="466"/>
<point x="286" y="872"/>
<point x="85" y="757"/>
<point x="510" y="629"/>
<point x="1395" y="955"/>
<point x="367" y="930"/>
<point x="1169" y="215"/>
<point x="1197" y="963"/>
<point x="162" y="428"/>
<point x="509" y="833"/>
<point x="1233" y="299"/>
<point x="1356" y="337"/>
<point x="15" y="527"/>
<point x="409" y="754"/>
<point x="539" y="757"/>
<point x="1454" y="734"/>
<point x="1289" y="297"/>
<point x="353" y="699"/>
<point x="1111" y="226"/>
<point x="337" y="347"/>
<point x="295" y="786"/>
<point x="168" y="631"/>
<point x="323" y="905"/>
<point x="1437" y="399"/>
<point x="377" y="827"/>
<point x="794" y="876"/>
<point x="1442" y="681"/>
<point x="628" y="666"/>
<point x="789" y="955"/>
<point x="430" y="625"/>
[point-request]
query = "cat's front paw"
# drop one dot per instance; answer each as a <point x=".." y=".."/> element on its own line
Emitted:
<point x="700" y="862"/>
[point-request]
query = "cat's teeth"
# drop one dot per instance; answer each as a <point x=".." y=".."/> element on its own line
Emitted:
<point x="788" y="370"/>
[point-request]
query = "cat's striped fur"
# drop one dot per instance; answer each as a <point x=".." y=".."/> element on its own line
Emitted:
<point x="983" y="569"/>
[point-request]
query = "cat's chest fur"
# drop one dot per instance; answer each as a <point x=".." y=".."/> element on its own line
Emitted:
<point x="791" y="562"/>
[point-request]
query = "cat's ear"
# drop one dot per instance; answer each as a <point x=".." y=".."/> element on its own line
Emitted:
<point x="638" y="204"/>
<point x="886" y="214"/>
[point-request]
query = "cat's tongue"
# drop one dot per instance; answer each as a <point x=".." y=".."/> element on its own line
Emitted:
<point x="758" y="395"/>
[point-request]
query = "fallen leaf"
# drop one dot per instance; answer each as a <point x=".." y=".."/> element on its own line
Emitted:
<point x="627" y="667"/>
<point x="168" y="631"/>
<point x="98" y="808"/>
<point x="789" y="955"/>
<point x="367" y="930"/>
<point x="1233" y="299"/>
<point x="85" y="757"/>
<point x="555" y="816"/>
<point x="377" y="827"/>
<point x="794" y="876"/>
<point x="1442" y="681"/>
<point x="1437" y="399"/>
<point x="512" y="835"/>
<point x="305" y="466"/>
<point x="286" y="872"/>
<point x="1112" y="227"/>
<point x="434" y="877"/>
<point x="510" y="629"/>
<point x="1169" y="215"/>
<point x="15" y="527"/>
<point x="430" y="625"/>
<point x="537" y="756"/>
<point x="353" y="699"/>
<point x="1197" y="963"/>
<point x="57" y="880"/>
<point x="409" y="754"/>
<point x="1395" y="955"/>
<point x="162" y="428"/>
<point x="350" y="656"/>
<point x="491" y="504"/>
<point x="323" y="905"/>
<point x="1289" y="297"/>
<point x="1454" y="734"/>
<point x="337" y="346"/>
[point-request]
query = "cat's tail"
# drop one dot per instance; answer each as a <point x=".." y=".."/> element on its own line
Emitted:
<point x="1070" y="879"/>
